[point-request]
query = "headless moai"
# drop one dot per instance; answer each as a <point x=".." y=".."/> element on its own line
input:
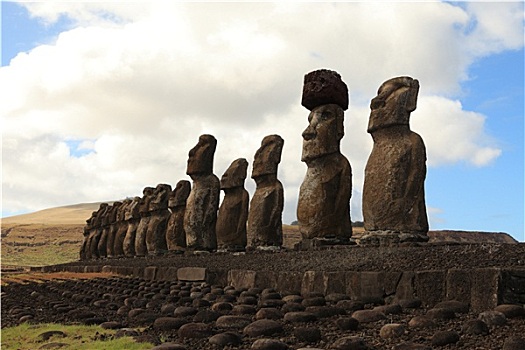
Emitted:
<point x="394" y="208"/>
<point x="122" y="224"/>
<point x="114" y="225"/>
<point x="175" y="235"/>
<point x="200" y="216"/>
<point x="156" y="234"/>
<point x="323" y="209"/>
<point x="142" y="228"/>
<point x="233" y="212"/>
<point x="265" y="215"/>
<point x="133" y="219"/>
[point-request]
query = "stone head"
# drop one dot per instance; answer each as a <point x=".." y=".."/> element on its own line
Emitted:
<point x="123" y="210"/>
<point x="159" y="198"/>
<point x="235" y="175"/>
<point x="268" y="156"/>
<point x="113" y="211"/>
<point x="395" y="100"/>
<point x="145" y="200"/>
<point x="200" y="157"/>
<point x="324" y="132"/>
<point x="180" y="194"/>
<point x="133" y="211"/>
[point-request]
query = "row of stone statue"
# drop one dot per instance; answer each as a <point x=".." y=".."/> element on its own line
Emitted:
<point x="166" y="220"/>
<point x="393" y="195"/>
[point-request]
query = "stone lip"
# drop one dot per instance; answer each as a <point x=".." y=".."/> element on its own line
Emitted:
<point x="322" y="87"/>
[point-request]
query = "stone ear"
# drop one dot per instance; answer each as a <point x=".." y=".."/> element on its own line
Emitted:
<point x="413" y="91"/>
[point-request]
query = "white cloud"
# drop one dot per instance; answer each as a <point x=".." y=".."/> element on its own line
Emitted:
<point x="137" y="83"/>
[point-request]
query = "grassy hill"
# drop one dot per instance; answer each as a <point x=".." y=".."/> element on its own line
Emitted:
<point x="54" y="236"/>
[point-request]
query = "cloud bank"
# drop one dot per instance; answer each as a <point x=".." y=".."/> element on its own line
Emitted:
<point x="118" y="100"/>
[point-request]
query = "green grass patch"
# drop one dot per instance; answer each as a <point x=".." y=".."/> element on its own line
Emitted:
<point x="78" y="337"/>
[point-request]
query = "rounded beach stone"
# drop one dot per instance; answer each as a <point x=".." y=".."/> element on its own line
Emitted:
<point x="170" y="346"/>
<point x="412" y="303"/>
<point x="411" y="346"/>
<point x="421" y="322"/>
<point x="315" y="301"/>
<point x="493" y="318"/>
<point x="168" y="323"/>
<point x="206" y="316"/>
<point x="229" y="321"/>
<point x="263" y="327"/>
<point x="392" y="309"/>
<point x="290" y="307"/>
<point x="222" y="307"/>
<point x="195" y="330"/>
<point x="293" y="298"/>
<point x="443" y="338"/>
<point x="299" y="316"/>
<point x="392" y="330"/>
<point x="183" y="311"/>
<point x="475" y="327"/>
<point x="111" y="325"/>
<point x="269" y="313"/>
<point x="243" y="310"/>
<point x="269" y="344"/>
<point x="441" y="314"/>
<point x="226" y="338"/>
<point x="351" y="305"/>
<point x="307" y="334"/>
<point x="325" y="311"/>
<point x="511" y="310"/>
<point x="336" y="297"/>
<point x="454" y="305"/>
<point x="350" y="343"/>
<point x="347" y="323"/>
<point x="366" y="316"/>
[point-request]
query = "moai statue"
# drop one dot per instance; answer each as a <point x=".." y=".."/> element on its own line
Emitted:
<point x="133" y="219"/>
<point x="84" y="250"/>
<point x="142" y="229"/>
<point x="175" y="235"/>
<point x="96" y="234"/>
<point x="102" y="223"/>
<point x="200" y="216"/>
<point x="233" y="212"/>
<point x="265" y="230"/>
<point x="394" y="208"/>
<point x="122" y="228"/>
<point x="158" y="207"/>
<point x="323" y="209"/>
<point x="114" y="225"/>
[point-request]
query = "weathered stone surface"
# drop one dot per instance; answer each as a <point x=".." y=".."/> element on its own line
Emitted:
<point x="142" y="228"/>
<point x="122" y="228"/>
<point x="97" y="241"/>
<point x="263" y="327"/>
<point x="511" y="310"/>
<point x="195" y="330"/>
<point x="114" y="225"/>
<point x="156" y="233"/>
<point x="233" y="322"/>
<point x="347" y="323"/>
<point x="350" y="343"/>
<point x="392" y="330"/>
<point x="323" y="209"/>
<point x="307" y="334"/>
<point x="233" y="212"/>
<point x="458" y="285"/>
<point x="299" y="316"/>
<point x="493" y="318"/>
<point x="322" y="87"/>
<point x="430" y="286"/>
<point x="170" y="346"/>
<point x="475" y="327"/>
<point x="133" y="219"/>
<point x="441" y="314"/>
<point x="443" y="338"/>
<point x="454" y="305"/>
<point x="484" y="289"/>
<point x="394" y="207"/>
<point x="513" y="286"/>
<point x="514" y="343"/>
<point x="226" y="338"/>
<point x="200" y="217"/>
<point x="366" y="316"/>
<point x="266" y="207"/>
<point x="169" y="323"/>
<point x="175" y="234"/>
<point x="269" y="344"/>
<point x="192" y="274"/>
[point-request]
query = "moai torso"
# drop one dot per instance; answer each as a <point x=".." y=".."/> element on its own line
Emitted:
<point x="133" y="219"/>
<point x="200" y="216"/>
<point x="175" y="234"/>
<point x="122" y="228"/>
<point x="323" y="209"/>
<point x="266" y="206"/>
<point x="233" y="212"/>
<point x="142" y="228"/>
<point x="156" y="234"/>
<point x="114" y="224"/>
<point x="393" y="192"/>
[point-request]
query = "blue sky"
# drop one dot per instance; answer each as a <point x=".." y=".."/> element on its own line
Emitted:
<point x="108" y="98"/>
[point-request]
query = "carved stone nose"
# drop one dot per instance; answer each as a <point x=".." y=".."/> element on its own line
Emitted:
<point x="377" y="102"/>
<point x="308" y="133"/>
